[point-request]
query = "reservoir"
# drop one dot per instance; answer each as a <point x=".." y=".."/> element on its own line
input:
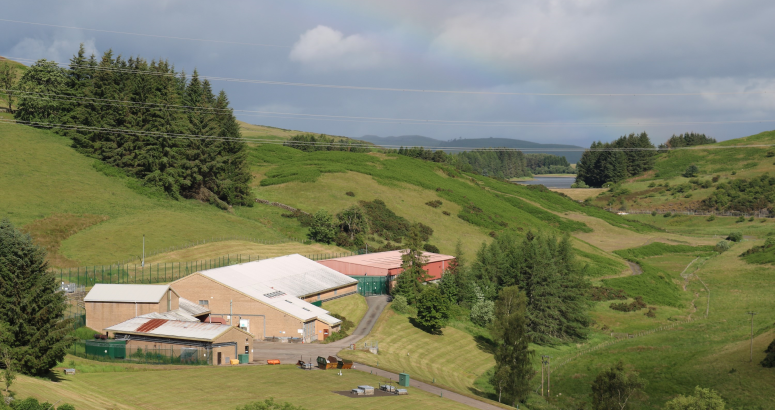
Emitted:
<point x="550" y="182"/>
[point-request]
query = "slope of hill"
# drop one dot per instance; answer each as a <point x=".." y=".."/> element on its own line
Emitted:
<point x="571" y="155"/>
<point x="666" y="188"/>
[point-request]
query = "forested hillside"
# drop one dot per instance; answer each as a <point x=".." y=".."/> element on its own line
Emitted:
<point x="612" y="162"/>
<point x="144" y="118"/>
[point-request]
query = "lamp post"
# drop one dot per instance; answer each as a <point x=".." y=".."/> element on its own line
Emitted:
<point x="752" y="315"/>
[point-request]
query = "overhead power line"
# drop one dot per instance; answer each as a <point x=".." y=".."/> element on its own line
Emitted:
<point x="415" y="90"/>
<point x="384" y="120"/>
<point x="78" y="127"/>
<point x="146" y="35"/>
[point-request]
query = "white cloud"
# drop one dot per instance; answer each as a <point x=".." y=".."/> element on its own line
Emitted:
<point x="60" y="49"/>
<point x="324" y="48"/>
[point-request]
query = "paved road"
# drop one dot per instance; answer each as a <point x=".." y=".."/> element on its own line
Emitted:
<point x="291" y="352"/>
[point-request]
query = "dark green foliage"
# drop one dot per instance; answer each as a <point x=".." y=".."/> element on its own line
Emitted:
<point x="213" y="169"/>
<point x="616" y="388"/>
<point x="602" y="294"/>
<point x="30" y="305"/>
<point x="269" y="404"/>
<point x="311" y="142"/>
<point x="432" y="309"/>
<point x="552" y="279"/>
<point x="410" y="281"/>
<point x="711" y="218"/>
<point x="385" y="222"/>
<point x="352" y="222"/>
<point x="513" y="367"/>
<point x="735" y="236"/>
<point x="400" y="304"/>
<point x="659" y="248"/>
<point x="633" y="306"/>
<point x="703" y="399"/>
<point x="742" y="195"/>
<point x="322" y="228"/>
<point x="347" y="324"/>
<point x="349" y="193"/>
<point x="689" y="139"/>
<point x="430" y="248"/>
<point x="652" y="312"/>
<point x="8" y="82"/>
<point x="31" y="403"/>
<point x="691" y="171"/>
<point x="601" y="165"/>
<point x="654" y="285"/>
<point x="434" y="204"/>
<point x="548" y="164"/>
<point x="761" y="254"/>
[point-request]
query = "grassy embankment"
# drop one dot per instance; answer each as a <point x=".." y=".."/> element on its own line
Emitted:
<point x="352" y="307"/>
<point x="712" y="160"/>
<point x="224" y="387"/>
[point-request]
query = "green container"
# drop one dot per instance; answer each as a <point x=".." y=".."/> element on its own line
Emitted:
<point x="243" y="358"/>
<point x="114" y="349"/>
<point x="403" y="379"/>
<point x="318" y="303"/>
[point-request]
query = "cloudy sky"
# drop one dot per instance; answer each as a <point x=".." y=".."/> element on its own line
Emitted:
<point x="716" y="50"/>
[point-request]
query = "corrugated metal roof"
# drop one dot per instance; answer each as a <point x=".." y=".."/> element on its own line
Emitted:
<point x="389" y="259"/>
<point x="102" y="292"/>
<point x="292" y="274"/>
<point x="177" y="314"/>
<point x="170" y="328"/>
<point x="193" y="309"/>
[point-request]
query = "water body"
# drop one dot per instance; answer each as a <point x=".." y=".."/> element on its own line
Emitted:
<point x="550" y="182"/>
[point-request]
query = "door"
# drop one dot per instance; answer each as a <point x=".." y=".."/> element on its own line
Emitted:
<point x="309" y="332"/>
<point x="219" y="357"/>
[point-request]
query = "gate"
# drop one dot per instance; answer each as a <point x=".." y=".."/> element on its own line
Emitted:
<point x="373" y="285"/>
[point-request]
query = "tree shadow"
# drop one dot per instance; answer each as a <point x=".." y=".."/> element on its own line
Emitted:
<point x="425" y="329"/>
<point x="483" y="394"/>
<point x="54" y="376"/>
<point x="485" y="344"/>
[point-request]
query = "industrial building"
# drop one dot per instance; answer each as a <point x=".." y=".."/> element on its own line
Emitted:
<point x="270" y="298"/>
<point x="386" y="264"/>
<point x="108" y="304"/>
<point x="212" y="343"/>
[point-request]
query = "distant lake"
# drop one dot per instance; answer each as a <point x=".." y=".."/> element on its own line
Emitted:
<point x="550" y="182"/>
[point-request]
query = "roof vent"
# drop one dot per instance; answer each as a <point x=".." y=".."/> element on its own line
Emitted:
<point x="274" y="294"/>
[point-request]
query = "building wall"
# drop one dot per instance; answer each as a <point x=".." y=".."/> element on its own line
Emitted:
<point x="278" y="324"/>
<point x="354" y="269"/>
<point x="332" y="294"/>
<point x="234" y="335"/>
<point x="100" y="315"/>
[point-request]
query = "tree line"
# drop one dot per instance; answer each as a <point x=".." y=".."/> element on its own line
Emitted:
<point x="688" y="139"/>
<point x="612" y="162"/>
<point x="94" y="98"/>
<point x="311" y="143"/>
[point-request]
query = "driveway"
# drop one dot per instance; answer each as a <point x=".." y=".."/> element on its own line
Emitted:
<point x="289" y="353"/>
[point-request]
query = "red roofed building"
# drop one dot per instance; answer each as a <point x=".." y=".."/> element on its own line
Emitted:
<point x="386" y="264"/>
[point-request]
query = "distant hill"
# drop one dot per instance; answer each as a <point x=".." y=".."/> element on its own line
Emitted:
<point x="420" y="141"/>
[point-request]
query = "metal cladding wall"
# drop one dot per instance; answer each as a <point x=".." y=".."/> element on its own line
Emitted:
<point x="434" y="269"/>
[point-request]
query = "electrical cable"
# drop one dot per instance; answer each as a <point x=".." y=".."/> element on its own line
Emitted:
<point x="384" y="120"/>
<point x="413" y="90"/>
<point x="355" y="145"/>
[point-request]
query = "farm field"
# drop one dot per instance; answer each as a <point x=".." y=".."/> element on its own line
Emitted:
<point x="97" y="386"/>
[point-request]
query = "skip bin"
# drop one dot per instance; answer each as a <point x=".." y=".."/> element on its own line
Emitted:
<point x="114" y="349"/>
<point x="403" y="379"/>
<point x="243" y="358"/>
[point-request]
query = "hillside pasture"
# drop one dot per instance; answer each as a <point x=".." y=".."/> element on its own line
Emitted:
<point x="213" y="250"/>
<point x="352" y="307"/>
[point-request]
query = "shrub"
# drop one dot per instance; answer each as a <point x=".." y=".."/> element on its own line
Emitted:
<point x="400" y="304"/>
<point x="347" y="325"/>
<point x="493" y="234"/>
<point x="652" y="313"/>
<point x="688" y="196"/>
<point x="430" y="248"/>
<point x="652" y="185"/>
<point x="722" y="246"/>
<point x="270" y="404"/>
<point x="770" y="154"/>
<point x="707" y="184"/>
<point x="735" y="236"/>
<point x="653" y="213"/>
<point x="734" y="172"/>
<point x="349" y="193"/>
<point x="633" y="306"/>
<point x="711" y="218"/>
<point x="434" y="204"/>
<point x="482" y="312"/>
<point x="579" y="184"/>
<point x="716" y="178"/>
<point x="740" y="219"/>
<point x="668" y="214"/>
<point x="322" y="228"/>
<point x="751" y="219"/>
<point x="445" y="213"/>
<point x="691" y="171"/>
<point x="602" y="293"/>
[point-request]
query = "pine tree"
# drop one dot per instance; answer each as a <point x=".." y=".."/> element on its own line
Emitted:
<point x="31" y="307"/>
<point x="410" y="281"/>
<point x="42" y="79"/>
<point x="513" y="367"/>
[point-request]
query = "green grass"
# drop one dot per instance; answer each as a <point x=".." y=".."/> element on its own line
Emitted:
<point x="654" y="284"/>
<point x="720" y="227"/>
<point x="222" y="387"/>
<point x="352" y="307"/>
<point x="659" y="248"/>
<point x="599" y="266"/>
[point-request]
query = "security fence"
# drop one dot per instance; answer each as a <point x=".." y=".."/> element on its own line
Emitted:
<point x="117" y="351"/>
<point x="762" y="213"/>
<point x="164" y="272"/>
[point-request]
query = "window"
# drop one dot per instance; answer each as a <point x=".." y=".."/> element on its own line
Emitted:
<point x="204" y="303"/>
<point x="318" y="297"/>
<point x="335" y="290"/>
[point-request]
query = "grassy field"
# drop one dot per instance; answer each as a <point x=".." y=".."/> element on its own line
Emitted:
<point x="698" y="226"/>
<point x="352" y="307"/>
<point x="580" y="194"/>
<point x="223" y="387"/>
<point x="214" y="250"/>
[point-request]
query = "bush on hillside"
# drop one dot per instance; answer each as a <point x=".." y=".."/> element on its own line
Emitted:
<point x="399" y="304"/>
<point x="667" y="214"/>
<point x="430" y="248"/>
<point x="270" y="404"/>
<point x="482" y="312"/>
<point x="703" y="399"/>
<point x="735" y="236"/>
<point x="322" y="228"/>
<point x="432" y="309"/>
<point x="691" y="171"/>
<point x="349" y="193"/>
<point x="770" y="154"/>
<point x="446" y="213"/>
<point x="722" y="246"/>
<point x="602" y="294"/>
<point x="711" y="218"/>
<point x="633" y="306"/>
<point x="740" y="219"/>
<point x="434" y="204"/>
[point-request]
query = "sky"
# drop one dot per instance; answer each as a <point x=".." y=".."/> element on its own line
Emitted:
<point x="476" y="51"/>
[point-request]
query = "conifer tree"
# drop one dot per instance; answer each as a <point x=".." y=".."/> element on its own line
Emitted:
<point x="513" y="367"/>
<point x="42" y="79"/>
<point x="31" y="307"/>
<point x="432" y="309"/>
<point x="410" y="281"/>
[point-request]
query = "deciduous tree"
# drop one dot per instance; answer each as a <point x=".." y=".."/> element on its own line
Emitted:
<point x="615" y="388"/>
<point x="432" y="309"/>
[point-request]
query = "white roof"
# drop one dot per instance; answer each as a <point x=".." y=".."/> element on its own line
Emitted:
<point x="102" y="292"/>
<point x="170" y="328"/>
<point x="177" y="314"/>
<point x="192" y="308"/>
<point x="293" y="274"/>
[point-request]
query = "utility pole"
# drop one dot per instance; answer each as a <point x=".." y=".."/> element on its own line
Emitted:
<point x="752" y="315"/>
<point x="142" y="264"/>
<point x="545" y="364"/>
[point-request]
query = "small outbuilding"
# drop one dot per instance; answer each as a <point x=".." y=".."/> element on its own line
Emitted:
<point x="386" y="264"/>
<point x="188" y="341"/>
<point x="109" y="304"/>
